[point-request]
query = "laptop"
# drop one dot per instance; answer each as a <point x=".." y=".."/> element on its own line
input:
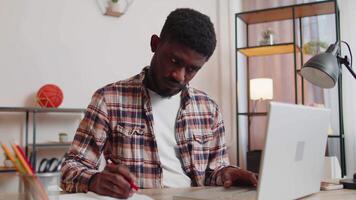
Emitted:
<point x="293" y="158"/>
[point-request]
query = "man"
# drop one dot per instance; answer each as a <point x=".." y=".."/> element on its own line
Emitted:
<point x="154" y="129"/>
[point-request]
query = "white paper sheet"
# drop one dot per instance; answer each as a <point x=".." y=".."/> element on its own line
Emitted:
<point x="94" y="196"/>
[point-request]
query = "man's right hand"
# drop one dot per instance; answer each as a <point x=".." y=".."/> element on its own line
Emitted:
<point x="113" y="181"/>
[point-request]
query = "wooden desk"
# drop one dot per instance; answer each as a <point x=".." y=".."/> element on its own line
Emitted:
<point x="214" y="193"/>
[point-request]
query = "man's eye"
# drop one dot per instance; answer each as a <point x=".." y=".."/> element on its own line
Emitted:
<point x="173" y="60"/>
<point x="191" y="70"/>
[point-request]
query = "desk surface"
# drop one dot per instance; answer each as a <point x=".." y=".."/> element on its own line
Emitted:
<point x="213" y="192"/>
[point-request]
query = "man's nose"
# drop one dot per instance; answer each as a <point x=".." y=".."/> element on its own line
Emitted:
<point x="179" y="74"/>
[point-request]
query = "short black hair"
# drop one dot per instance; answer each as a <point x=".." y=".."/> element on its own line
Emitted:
<point x="190" y="28"/>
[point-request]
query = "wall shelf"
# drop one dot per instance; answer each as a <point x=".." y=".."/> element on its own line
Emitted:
<point x="34" y="145"/>
<point x="41" y="110"/>
<point x="268" y="49"/>
<point x="286" y="12"/>
<point x="46" y="145"/>
<point x="335" y="136"/>
<point x="4" y="169"/>
<point x="253" y="114"/>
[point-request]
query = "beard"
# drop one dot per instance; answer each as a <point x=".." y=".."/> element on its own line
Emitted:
<point x="165" y="87"/>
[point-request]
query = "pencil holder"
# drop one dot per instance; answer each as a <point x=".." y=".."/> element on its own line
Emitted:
<point x="51" y="182"/>
<point x="43" y="186"/>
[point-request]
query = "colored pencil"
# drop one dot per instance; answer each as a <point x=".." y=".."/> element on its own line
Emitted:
<point x="13" y="159"/>
<point x="25" y="158"/>
<point x="22" y="160"/>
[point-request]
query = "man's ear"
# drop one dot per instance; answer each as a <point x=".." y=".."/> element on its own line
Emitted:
<point x="154" y="42"/>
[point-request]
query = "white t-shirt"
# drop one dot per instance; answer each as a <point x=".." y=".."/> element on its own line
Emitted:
<point x="165" y="111"/>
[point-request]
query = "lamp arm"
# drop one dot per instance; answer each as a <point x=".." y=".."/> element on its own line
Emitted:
<point x="350" y="70"/>
<point x="345" y="61"/>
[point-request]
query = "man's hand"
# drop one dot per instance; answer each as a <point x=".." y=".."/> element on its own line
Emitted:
<point x="113" y="181"/>
<point x="240" y="177"/>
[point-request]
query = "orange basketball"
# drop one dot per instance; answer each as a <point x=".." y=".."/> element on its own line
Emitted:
<point x="50" y="96"/>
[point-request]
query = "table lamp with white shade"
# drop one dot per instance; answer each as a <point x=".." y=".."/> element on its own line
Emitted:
<point x="260" y="89"/>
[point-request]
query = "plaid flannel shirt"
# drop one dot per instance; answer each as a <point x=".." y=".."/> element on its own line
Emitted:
<point x="119" y="123"/>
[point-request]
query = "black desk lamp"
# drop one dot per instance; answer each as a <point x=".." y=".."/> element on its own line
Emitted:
<point x="323" y="70"/>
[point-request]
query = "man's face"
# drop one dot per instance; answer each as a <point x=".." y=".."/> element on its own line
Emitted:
<point x="173" y="65"/>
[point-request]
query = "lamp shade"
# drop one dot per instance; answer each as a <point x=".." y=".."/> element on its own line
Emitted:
<point x="322" y="70"/>
<point x="261" y="88"/>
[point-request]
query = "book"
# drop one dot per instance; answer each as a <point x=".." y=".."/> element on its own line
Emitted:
<point x="331" y="186"/>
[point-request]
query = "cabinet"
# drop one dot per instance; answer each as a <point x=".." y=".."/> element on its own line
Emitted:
<point x="33" y="111"/>
<point x="296" y="29"/>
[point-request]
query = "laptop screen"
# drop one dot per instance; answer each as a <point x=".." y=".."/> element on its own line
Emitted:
<point x="293" y="158"/>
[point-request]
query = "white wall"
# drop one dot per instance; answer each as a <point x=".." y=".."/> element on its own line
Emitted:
<point x="72" y="44"/>
<point x="348" y="34"/>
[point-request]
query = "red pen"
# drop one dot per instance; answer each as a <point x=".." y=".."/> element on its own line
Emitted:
<point x="132" y="184"/>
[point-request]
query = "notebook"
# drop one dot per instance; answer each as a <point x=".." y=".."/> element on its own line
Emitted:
<point x="94" y="196"/>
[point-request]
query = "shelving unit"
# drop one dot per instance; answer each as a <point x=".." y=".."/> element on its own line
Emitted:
<point x="286" y="12"/>
<point x="268" y="49"/>
<point x="294" y="13"/>
<point x="49" y="145"/>
<point x="7" y="169"/>
<point x="34" y="146"/>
